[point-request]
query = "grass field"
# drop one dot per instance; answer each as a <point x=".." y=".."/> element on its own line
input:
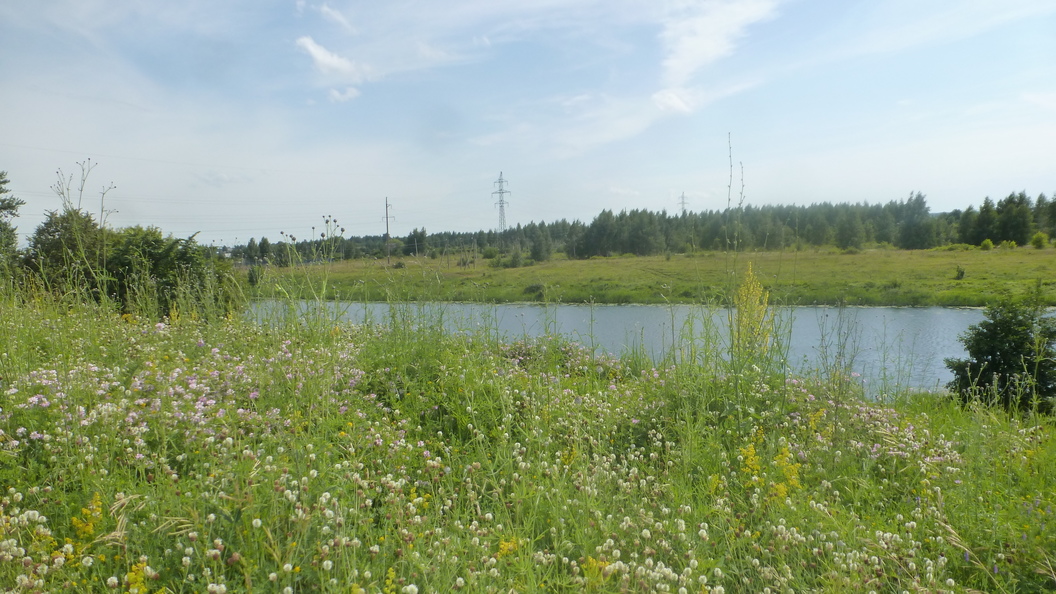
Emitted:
<point x="307" y="455"/>
<point x="955" y="277"/>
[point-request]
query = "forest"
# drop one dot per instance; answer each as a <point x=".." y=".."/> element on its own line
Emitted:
<point x="907" y="224"/>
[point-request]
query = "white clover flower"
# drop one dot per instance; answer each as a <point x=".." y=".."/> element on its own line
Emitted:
<point x="257" y="523"/>
<point x="328" y="565"/>
<point x="87" y="561"/>
<point x="287" y="568"/>
<point x="111" y="582"/>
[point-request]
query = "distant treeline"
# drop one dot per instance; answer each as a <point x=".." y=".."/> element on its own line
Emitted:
<point x="905" y="224"/>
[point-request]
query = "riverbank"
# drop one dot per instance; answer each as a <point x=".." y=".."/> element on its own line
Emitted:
<point x="227" y="456"/>
<point x="942" y="277"/>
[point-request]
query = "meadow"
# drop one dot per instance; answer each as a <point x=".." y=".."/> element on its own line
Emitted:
<point x="955" y="276"/>
<point x="303" y="454"/>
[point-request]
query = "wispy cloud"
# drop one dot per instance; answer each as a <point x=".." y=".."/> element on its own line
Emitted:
<point x="336" y="17"/>
<point x="699" y="33"/>
<point x="328" y="62"/>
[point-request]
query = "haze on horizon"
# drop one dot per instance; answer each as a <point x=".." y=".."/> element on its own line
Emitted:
<point x="246" y="118"/>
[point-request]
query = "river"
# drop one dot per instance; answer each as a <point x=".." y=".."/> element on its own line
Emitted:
<point x="886" y="348"/>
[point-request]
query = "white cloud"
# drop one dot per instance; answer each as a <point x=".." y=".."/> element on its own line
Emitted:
<point x="330" y="63"/>
<point x="699" y="33"/>
<point x="335" y="16"/>
<point x="341" y="96"/>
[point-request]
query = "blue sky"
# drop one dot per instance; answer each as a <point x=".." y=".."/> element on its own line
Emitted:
<point x="244" y="118"/>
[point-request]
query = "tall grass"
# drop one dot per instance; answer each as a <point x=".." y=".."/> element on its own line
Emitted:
<point x="218" y="454"/>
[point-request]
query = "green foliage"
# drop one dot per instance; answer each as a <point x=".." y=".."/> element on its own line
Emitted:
<point x="1011" y="357"/>
<point x="136" y="268"/>
<point x="323" y="456"/>
<point x="1040" y="240"/>
<point x="66" y="251"/>
<point x="9" y="206"/>
<point x="986" y="245"/>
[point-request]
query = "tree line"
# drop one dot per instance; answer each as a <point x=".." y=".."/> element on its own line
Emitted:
<point x="907" y="224"/>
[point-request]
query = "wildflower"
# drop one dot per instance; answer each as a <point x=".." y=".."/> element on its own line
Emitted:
<point x="256" y="522"/>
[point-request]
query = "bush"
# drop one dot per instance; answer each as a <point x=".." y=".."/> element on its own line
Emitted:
<point x="987" y="245"/>
<point x="1040" y="240"/>
<point x="1011" y="357"/>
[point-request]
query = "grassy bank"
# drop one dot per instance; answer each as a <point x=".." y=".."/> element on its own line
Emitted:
<point x="947" y="277"/>
<point x="307" y="455"/>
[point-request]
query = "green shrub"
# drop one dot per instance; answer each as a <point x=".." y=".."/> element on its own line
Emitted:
<point x="1040" y="240"/>
<point x="1011" y="357"/>
<point x="987" y="245"/>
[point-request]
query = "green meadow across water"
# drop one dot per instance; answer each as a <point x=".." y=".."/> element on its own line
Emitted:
<point x="952" y="276"/>
<point x="206" y="453"/>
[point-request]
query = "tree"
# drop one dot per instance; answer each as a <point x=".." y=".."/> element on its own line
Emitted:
<point x="66" y="250"/>
<point x="252" y="251"/>
<point x="265" y="249"/>
<point x="1015" y="218"/>
<point x="415" y="243"/>
<point x="916" y="230"/>
<point x="1011" y="357"/>
<point x="541" y="245"/>
<point x="9" y="206"/>
<point x="985" y="223"/>
<point x="850" y="232"/>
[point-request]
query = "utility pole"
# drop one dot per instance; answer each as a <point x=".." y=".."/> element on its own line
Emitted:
<point x="502" y="191"/>
<point x="682" y="203"/>
<point x="388" y="239"/>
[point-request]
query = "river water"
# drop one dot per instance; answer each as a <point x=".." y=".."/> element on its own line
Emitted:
<point x="885" y="348"/>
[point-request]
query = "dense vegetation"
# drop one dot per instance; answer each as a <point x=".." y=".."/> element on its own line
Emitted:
<point x="297" y="453"/>
<point x="138" y="269"/>
<point x="303" y="454"/>
<point x="1011" y="357"/>
<point x="905" y="224"/>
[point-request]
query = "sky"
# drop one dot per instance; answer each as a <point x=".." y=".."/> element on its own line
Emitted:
<point x="247" y="118"/>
